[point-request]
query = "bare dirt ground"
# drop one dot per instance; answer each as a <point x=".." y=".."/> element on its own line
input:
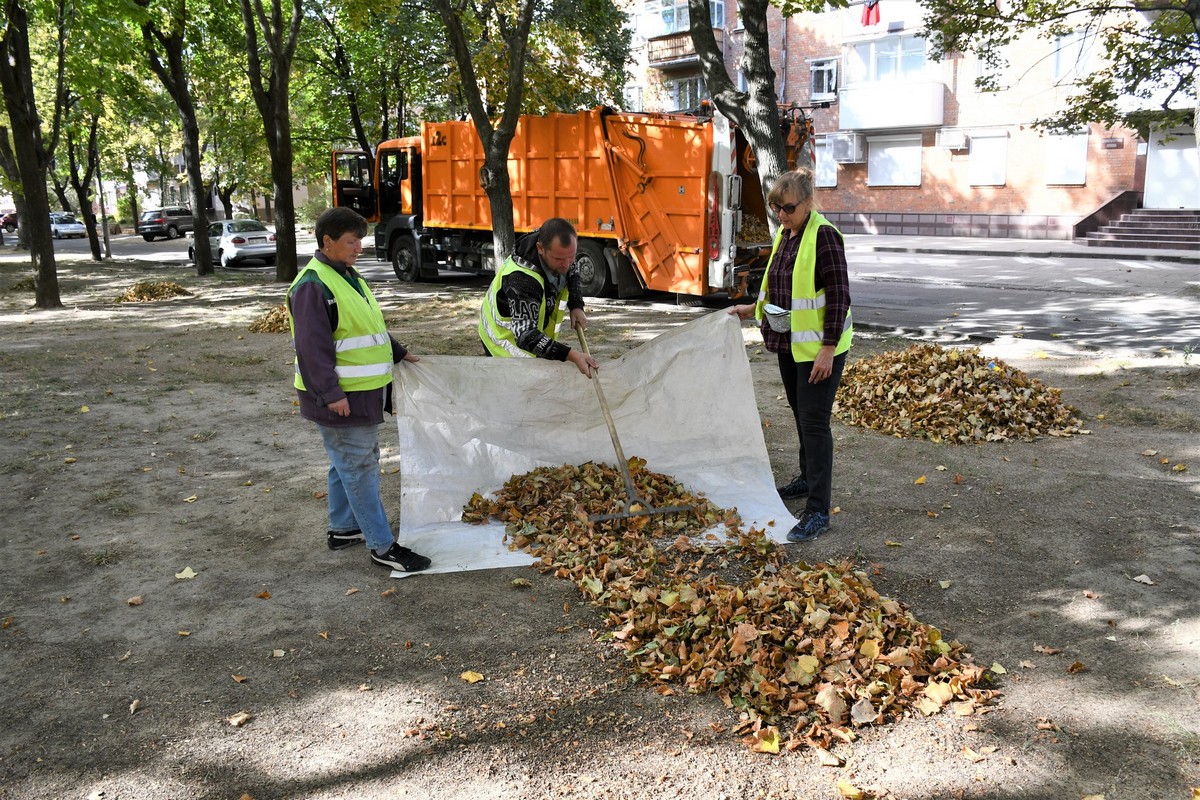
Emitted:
<point x="140" y="440"/>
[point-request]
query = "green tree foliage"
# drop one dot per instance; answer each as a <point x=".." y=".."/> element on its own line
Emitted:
<point x="1151" y="51"/>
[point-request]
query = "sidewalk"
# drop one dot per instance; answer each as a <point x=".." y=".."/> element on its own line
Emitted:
<point x="1029" y="248"/>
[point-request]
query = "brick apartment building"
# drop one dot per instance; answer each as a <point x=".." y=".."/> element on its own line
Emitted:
<point x="908" y="145"/>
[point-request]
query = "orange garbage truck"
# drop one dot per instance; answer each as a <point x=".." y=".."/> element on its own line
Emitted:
<point x="661" y="202"/>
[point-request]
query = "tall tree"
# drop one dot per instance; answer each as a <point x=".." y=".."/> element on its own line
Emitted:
<point x="12" y="182"/>
<point x="33" y="153"/>
<point x="271" y="44"/>
<point x="498" y="32"/>
<point x="164" y="32"/>
<point x="756" y="110"/>
<point x="1151" y="49"/>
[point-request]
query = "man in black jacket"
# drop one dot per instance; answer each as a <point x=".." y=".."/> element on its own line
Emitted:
<point x="530" y="295"/>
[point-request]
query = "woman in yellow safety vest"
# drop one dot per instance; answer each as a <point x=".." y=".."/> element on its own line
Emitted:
<point x="343" y="380"/>
<point x="804" y="308"/>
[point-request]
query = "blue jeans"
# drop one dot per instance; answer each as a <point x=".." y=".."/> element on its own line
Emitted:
<point x="354" y="500"/>
<point x="812" y="405"/>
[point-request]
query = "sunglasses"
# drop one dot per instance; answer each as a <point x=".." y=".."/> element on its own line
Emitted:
<point x="787" y="208"/>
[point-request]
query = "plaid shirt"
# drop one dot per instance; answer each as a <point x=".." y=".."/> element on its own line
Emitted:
<point x="831" y="274"/>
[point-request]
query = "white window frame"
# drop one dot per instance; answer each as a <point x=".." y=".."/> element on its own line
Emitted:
<point x="1072" y="53"/>
<point x="826" y="167"/>
<point x="822" y="79"/>
<point x="987" y="159"/>
<point x="633" y="97"/>
<point x="868" y="61"/>
<point x="673" y="15"/>
<point x="678" y="91"/>
<point x="894" y="160"/>
<point x="1066" y="159"/>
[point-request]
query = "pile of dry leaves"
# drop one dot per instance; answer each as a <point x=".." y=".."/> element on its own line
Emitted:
<point x="147" y="291"/>
<point x="948" y="395"/>
<point x="814" y="651"/>
<point x="274" y="321"/>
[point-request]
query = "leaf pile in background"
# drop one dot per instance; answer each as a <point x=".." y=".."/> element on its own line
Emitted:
<point x="949" y="395"/>
<point x="148" y="291"/>
<point x="816" y="647"/>
<point x="274" y="321"/>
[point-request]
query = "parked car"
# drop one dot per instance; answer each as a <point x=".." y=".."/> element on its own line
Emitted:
<point x="235" y="241"/>
<point x="170" y="222"/>
<point x="63" y="225"/>
<point x="9" y="221"/>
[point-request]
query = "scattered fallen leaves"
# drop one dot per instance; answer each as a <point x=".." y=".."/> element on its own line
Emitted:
<point x="471" y="677"/>
<point x="148" y="291"/>
<point x="920" y="481"/>
<point x="239" y="678"/>
<point x="134" y="706"/>
<point x="263" y="595"/>
<point x="817" y="646"/>
<point x="186" y="575"/>
<point x="1144" y="578"/>
<point x="1050" y="651"/>
<point x="521" y="583"/>
<point x="352" y="590"/>
<point x="952" y="396"/>
<point x="135" y="601"/>
<point x="1076" y="666"/>
<point x="239" y="719"/>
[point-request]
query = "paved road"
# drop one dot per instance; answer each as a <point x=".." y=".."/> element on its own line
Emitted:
<point x="945" y="288"/>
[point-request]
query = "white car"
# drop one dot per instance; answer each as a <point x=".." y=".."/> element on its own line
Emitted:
<point x="64" y="225"/>
<point x="234" y="241"/>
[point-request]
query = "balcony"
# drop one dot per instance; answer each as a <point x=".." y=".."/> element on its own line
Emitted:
<point x="676" y="50"/>
<point x="891" y="104"/>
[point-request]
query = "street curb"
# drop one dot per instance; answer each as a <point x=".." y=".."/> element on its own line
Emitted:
<point x="1110" y="255"/>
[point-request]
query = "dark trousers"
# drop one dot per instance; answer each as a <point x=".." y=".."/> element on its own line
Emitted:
<point x="812" y="406"/>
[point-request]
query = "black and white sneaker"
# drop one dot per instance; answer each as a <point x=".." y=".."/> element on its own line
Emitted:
<point x="339" y="540"/>
<point x="401" y="558"/>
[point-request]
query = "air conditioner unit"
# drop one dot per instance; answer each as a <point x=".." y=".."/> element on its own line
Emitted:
<point x="846" y="148"/>
<point x="952" y="138"/>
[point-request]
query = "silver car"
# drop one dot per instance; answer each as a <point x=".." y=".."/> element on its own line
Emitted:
<point x="65" y="226"/>
<point x="235" y="241"/>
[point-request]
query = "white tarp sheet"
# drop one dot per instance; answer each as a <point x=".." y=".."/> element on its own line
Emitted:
<point x="684" y="402"/>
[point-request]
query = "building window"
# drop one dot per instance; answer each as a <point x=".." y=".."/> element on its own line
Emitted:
<point x="1071" y="55"/>
<point x="1066" y="159"/>
<point x="671" y="16"/>
<point x="893" y="58"/>
<point x="822" y="80"/>
<point x="826" y="166"/>
<point x="988" y="158"/>
<point x="894" y="161"/>
<point x="687" y="93"/>
<point x="633" y="98"/>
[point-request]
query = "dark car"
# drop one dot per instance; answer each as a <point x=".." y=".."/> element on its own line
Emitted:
<point x="170" y="222"/>
<point x="9" y="222"/>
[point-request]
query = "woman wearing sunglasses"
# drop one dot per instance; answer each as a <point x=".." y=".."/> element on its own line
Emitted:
<point x="804" y="308"/>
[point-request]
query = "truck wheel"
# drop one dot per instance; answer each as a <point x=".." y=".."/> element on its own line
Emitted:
<point x="593" y="269"/>
<point x="406" y="261"/>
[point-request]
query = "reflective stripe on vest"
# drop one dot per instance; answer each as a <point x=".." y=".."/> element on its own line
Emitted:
<point x="496" y="331"/>
<point x="807" y="309"/>
<point x="362" y="347"/>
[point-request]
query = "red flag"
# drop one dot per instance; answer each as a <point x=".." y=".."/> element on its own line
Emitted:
<point x="870" y="15"/>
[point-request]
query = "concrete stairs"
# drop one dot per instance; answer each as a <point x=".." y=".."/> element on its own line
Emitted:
<point x="1150" y="228"/>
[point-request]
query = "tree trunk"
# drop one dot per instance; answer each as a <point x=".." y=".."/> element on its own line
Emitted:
<point x="82" y="183"/>
<point x="494" y="176"/>
<point x="225" y="193"/>
<point x="131" y="185"/>
<point x="33" y="158"/>
<point x="270" y="86"/>
<point x="755" y="111"/>
<point x="8" y="162"/>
